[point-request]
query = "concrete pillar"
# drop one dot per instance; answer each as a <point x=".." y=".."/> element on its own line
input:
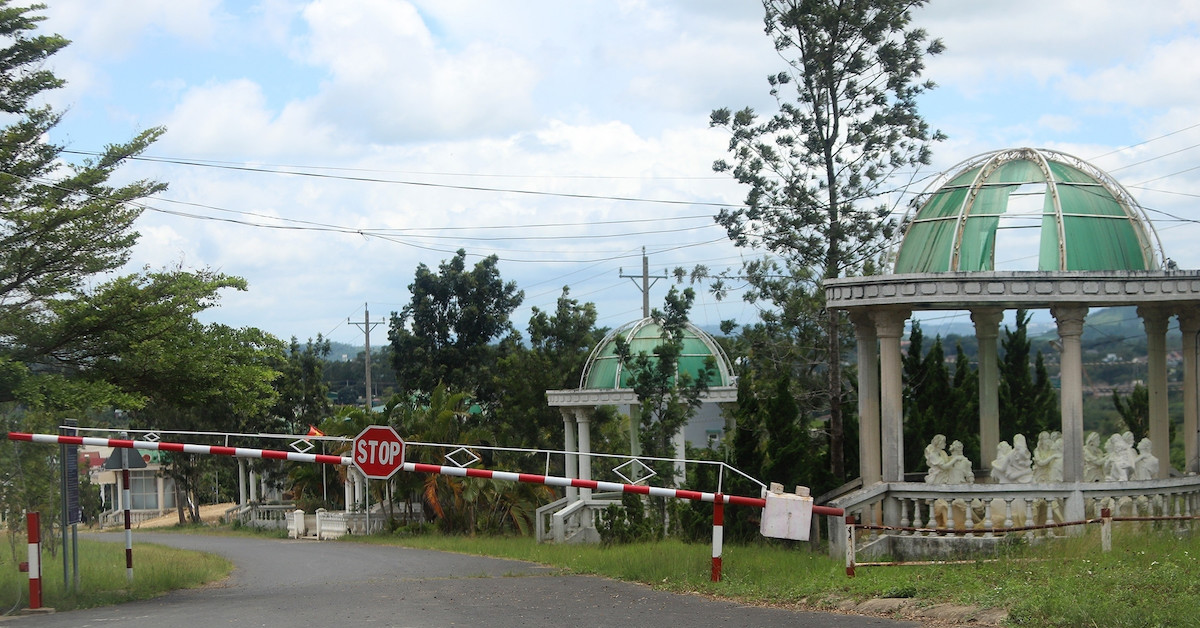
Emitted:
<point x="635" y="432"/>
<point x="570" y="445"/>
<point x="584" y="420"/>
<point x="241" y="482"/>
<point x="1189" y="324"/>
<point x="1070" y="328"/>
<point x="869" y="465"/>
<point x="987" y="329"/>
<point x="348" y="490"/>
<point x="889" y="326"/>
<point x="253" y="485"/>
<point x="1155" y="321"/>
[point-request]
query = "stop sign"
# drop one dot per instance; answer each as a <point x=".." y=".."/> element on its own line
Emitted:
<point x="378" y="452"/>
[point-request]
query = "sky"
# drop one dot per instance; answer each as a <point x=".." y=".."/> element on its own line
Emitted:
<point x="323" y="149"/>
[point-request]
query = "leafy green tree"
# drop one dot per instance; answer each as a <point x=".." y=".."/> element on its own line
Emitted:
<point x="199" y="377"/>
<point x="1135" y="411"/>
<point x="303" y="399"/>
<point x="667" y="397"/>
<point x="936" y="401"/>
<point x="445" y="333"/>
<point x="61" y="223"/>
<point x="847" y="121"/>
<point x="559" y="345"/>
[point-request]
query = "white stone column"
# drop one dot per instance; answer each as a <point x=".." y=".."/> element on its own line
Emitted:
<point x="584" y="421"/>
<point x="253" y="486"/>
<point x="1189" y="324"/>
<point x="869" y="466"/>
<point x="635" y="432"/>
<point x="987" y="329"/>
<point x="889" y="326"/>
<point x="348" y="489"/>
<point x="1070" y="328"/>
<point x="570" y="445"/>
<point x="1155" y="321"/>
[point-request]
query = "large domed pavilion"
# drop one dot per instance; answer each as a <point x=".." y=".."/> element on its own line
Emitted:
<point x="1022" y="228"/>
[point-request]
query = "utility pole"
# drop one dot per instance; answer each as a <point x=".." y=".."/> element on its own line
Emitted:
<point x="367" y="326"/>
<point x="646" y="283"/>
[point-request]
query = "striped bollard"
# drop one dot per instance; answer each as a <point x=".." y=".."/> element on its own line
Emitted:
<point x="126" y="495"/>
<point x="718" y="535"/>
<point x="33" y="522"/>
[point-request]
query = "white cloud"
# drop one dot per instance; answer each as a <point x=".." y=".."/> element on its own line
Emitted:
<point x="391" y="81"/>
<point x="233" y="119"/>
<point x="1165" y="75"/>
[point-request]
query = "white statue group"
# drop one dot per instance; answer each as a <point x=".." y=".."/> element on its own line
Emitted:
<point x="1014" y="464"/>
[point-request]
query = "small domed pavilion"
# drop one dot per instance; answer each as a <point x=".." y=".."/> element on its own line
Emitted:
<point x="1069" y="238"/>
<point x="606" y="382"/>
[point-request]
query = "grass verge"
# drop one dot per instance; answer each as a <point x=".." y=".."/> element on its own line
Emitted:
<point x="1151" y="578"/>
<point x="157" y="570"/>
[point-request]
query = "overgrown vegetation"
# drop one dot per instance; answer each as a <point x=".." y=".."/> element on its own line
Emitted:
<point x="1149" y="579"/>
<point x="160" y="569"/>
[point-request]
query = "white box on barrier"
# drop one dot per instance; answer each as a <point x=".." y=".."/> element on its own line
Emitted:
<point x="787" y="516"/>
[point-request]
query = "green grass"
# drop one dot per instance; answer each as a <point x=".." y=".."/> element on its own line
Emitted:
<point x="156" y="569"/>
<point x="1149" y="579"/>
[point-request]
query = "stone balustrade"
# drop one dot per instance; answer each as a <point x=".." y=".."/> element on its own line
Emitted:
<point x="971" y="513"/>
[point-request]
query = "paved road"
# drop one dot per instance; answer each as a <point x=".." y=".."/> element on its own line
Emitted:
<point x="306" y="583"/>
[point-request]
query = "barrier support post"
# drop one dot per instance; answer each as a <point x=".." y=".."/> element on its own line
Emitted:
<point x="718" y="535"/>
<point x="850" y="550"/>
<point x="1106" y="529"/>
<point x="33" y="522"/>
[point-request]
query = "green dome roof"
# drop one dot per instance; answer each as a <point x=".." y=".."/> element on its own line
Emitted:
<point x="1073" y="214"/>
<point x="604" y="369"/>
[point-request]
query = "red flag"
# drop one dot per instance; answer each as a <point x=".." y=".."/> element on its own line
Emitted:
<point x="312" y="431"/>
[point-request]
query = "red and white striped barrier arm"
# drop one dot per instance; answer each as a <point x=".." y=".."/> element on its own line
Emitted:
<point x="551" y="480"/>
<point x="412" y="467"/>
<point x="186" y="448"/>
<point x="652" y="491"/>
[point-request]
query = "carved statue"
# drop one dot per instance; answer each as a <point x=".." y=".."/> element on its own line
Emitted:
<point x="1093" y="459"/>
<point x="961" y="471"/>
<point x="937" y="460"/>
<point x="1145" y="465"/>
<point x="1119" y="457"/>
<point x="1013" y="464"/>
<point x="1047" y="458"/>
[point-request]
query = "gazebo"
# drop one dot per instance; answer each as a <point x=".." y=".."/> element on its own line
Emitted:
<point x="1093" y="247"/>
<point x="606" y="382"/>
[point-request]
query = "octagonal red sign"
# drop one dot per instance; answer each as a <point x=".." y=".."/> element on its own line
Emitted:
<point x="378" y="452"/>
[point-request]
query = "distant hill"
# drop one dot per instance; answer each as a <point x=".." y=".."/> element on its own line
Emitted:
<point x="341" y="351"/>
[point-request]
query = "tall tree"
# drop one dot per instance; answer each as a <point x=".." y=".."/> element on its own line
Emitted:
<point x="445" y="333"/>
<point x="847" y="121"/>
<point x="303" y="394"/>
<point x="1135" y="411"/>
<point x="559" y="344"/>
<point x="667" y="397"/>
<point x="60" y="222"/>
<point x="1027" y="398"/>
<point x="936" y="401"/>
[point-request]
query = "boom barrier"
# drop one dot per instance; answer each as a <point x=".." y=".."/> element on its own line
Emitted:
<point x="717" y="499"/>
<point x="412" y="467"/>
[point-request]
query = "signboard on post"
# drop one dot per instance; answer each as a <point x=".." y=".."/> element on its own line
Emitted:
<point x="378" y="452"/>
